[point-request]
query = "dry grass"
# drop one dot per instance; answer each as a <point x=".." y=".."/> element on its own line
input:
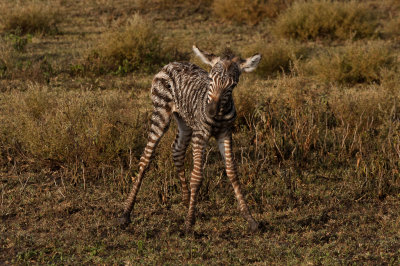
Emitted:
<point x="137" y="46"/>
<point x="35" y="17"/>
<point x="289" y="120"/>
<point x="314" y="126"/>
<point x="354" y="63"/>
<point x="278" y="56"/>
<point x="392" y="28"/>
<point x="70" y="129"/>
<point x="316" y="162"/>
<point x="250" y="12"/>
<point x="316" y="19"/>
<point x="6" y="58"/>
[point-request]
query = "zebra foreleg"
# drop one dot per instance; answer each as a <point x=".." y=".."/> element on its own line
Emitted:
<point x="225" y="146"/>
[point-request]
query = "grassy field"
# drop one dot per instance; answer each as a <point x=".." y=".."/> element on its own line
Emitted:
<point x="316" y="140"/>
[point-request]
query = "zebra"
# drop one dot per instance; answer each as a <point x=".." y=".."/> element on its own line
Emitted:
<point x="203" y="107"/>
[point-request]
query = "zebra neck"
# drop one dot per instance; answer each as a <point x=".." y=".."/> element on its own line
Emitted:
<point x="208" y="94"/>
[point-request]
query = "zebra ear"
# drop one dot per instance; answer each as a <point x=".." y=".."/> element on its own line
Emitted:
<point x="250" y="63"/>
<point x="207" y="58"/>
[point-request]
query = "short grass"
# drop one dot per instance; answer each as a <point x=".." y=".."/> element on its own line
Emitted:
<point x="316" y="139"/>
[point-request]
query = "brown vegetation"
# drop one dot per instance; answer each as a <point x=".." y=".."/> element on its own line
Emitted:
<point x="70" y="129"/>
<point x="311" y="20"/>
<point x="137" y="46"/>
<point x="250" y="12"/>
<point x="354" y="63"/>
<point x="35" y="17"/>
<point x="278" y="56"/>
<point x="13" y="64"/>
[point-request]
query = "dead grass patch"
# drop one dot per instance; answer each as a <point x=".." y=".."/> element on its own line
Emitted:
<point x="137" y="46"/>
<point x="34" y="17"/>
<point x="311" y="20"/>
<point x="302" y="124"/>
<point x="71" y="129"/>
<point x="277" y="56"/>
<point x="392" y="28"/>
<point x="250" y="12"/>
<point x="354" y="63"/>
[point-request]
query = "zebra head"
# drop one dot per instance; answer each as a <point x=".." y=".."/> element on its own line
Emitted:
<point x="224" y="75"/>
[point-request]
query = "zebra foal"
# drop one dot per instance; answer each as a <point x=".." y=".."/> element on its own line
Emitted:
<point x="202" y="105"/>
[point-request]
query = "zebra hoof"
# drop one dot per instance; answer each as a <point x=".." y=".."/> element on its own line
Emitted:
<point x="254" y="227"/>
<point x="124" y="221"/>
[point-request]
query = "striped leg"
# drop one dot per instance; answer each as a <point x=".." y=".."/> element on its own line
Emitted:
<point x="198" y="142"/>
<point x="160" y="121"/>
<point x="225" y="147"/>
<point x="179" y="147"/>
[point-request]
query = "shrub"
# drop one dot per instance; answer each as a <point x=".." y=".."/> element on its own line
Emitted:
<point x="354" y="63"/>
<point x="392" y="28"/>
<point x="135" y="47"/>
<point x="277" y="56"/>
<point x="35" y="17"/>
<point x="59" y="128"/>
<point x="310" y="20"/>
<point x="250" y="12"/>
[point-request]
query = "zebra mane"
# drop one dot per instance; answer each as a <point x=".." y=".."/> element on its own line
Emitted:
<point x="227" y="54"/>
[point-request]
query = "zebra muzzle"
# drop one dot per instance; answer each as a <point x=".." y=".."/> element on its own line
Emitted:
<point x="212" y="108"/>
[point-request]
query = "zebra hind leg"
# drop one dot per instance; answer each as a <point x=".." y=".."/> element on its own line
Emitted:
<point x="160" y="121"/>
<point x="179" y="147"/>
<point x="199" y="140"/>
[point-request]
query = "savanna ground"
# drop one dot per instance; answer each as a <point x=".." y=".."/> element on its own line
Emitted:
<point x="316" y="139"/>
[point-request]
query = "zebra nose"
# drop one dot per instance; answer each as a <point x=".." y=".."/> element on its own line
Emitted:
<point x="212" y="109"/>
